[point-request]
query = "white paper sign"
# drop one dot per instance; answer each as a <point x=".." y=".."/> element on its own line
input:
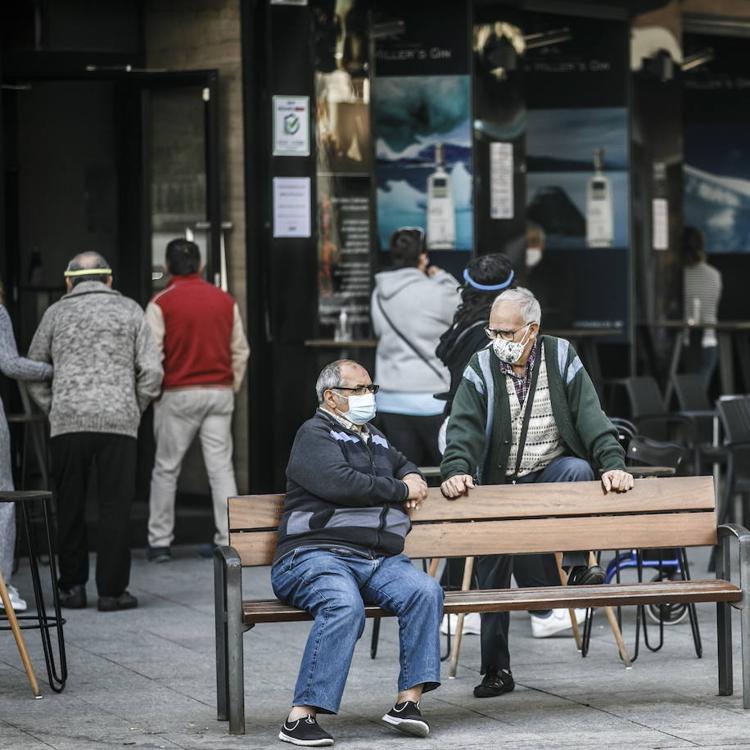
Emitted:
<point x="291" y="206"/>
<point x="291" y="126"/>
<point x="660" y="229"/>
<point x="501" y="180"/>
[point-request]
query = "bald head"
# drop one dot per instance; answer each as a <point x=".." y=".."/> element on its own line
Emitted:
<point x="84" y="267"/>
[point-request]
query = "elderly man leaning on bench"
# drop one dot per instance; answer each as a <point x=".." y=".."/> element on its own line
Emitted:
<point x="340" y="544"/>
<point x="526" y="411"/>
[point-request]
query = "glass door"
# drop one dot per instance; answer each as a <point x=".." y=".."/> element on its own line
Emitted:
<point x="180" y="176"/>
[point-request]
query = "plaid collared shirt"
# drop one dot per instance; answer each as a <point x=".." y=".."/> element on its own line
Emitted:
<point x="521" y="383"/>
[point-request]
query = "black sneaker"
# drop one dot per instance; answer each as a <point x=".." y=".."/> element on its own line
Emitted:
<point x="159" y="554"/>
<point x="72" y="598"/>
<point x="495" y="682"/>
<point x="115" y="603"/>
<point x="407" y="718"/>
<point x="305" y="732"/>
<point x="580" y="575"/>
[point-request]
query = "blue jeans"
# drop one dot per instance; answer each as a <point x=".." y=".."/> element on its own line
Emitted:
<point x="494" y="571"/>
<point x="334" y="585"/>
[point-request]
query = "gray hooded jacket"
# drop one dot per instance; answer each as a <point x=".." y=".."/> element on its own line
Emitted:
<point x="422" y="308"/>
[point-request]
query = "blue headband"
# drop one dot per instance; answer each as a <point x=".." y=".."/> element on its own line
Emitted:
<point x="488" y="287"/>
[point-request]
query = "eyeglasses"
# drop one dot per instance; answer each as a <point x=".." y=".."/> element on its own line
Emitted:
<point x="358" y="390"/>
<point x="499" y="333"/>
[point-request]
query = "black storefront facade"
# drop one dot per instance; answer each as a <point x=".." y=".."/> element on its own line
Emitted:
<point x="469" y="118"/>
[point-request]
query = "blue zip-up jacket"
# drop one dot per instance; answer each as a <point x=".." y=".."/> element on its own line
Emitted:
<point x="343" y="491"/>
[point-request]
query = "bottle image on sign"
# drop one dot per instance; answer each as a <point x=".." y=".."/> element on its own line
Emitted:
<point x="441" y="211"/>
<point x="600" y="228"/>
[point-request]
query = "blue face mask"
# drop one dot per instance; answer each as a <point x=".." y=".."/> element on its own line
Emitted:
<point x="361" y="409"/>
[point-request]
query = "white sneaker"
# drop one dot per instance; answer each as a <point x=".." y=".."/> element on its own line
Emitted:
<point x="555" y="623"/>
<point x="472" y="624"/>
<point x="18" y="604"/>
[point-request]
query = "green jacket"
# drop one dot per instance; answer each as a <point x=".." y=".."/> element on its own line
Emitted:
<point x="479" y="439"/>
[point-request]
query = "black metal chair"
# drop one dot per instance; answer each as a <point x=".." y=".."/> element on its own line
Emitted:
<point x="653" y="419"/>
<point x="734" y="412"/>
<point x="693" y="402"/>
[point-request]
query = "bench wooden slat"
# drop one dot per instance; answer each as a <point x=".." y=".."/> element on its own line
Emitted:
<point x="528" y="536"/>
<point x="516" y="501"/>
<point x="565" y="597"/>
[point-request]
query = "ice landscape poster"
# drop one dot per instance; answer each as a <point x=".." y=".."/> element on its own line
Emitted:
<point x="422" y="129"/>
<point x="577" y="176"/>
<point x="717" y="184"/>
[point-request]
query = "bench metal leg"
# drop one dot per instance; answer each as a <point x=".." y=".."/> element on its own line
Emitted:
<point x="745" y="622"/>
<point x="220" y="613"/>
<point x="724" y="622"/>
<point x="235" y="651"/>
<point x="724" y="637"/>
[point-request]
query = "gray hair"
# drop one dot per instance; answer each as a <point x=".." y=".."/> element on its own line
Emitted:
<point x="89" y="261"/>
<point x="330" y="377"/>
<point x="526" y="301"/>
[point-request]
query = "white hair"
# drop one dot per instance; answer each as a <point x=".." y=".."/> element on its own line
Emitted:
<point x="526" y="302"/>
<point x="330" y="377"/>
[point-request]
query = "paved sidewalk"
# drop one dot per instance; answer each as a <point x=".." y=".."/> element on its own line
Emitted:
<point x="146" y="679"/>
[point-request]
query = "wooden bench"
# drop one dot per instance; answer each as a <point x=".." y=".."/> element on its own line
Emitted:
<point x="507" y="519"/>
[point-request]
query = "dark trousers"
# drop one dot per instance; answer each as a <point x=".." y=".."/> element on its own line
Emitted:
<point x="415" y="437"/>
<point x="494" y="571"/>
<point x="73" y="458"/>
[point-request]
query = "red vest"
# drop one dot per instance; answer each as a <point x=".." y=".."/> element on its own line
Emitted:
<point x="198" y="321"/>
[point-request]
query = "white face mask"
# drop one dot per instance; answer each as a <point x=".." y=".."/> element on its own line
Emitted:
<point x="510" y="351"/>
<point x="533" y="256"/>
<point x="361" y="409"/>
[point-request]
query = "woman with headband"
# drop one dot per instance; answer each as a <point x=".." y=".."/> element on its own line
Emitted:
<point x="18" y="368"/>
<point x="484" y="278"/>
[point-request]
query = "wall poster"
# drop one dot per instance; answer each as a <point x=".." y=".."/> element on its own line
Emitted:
<point x="577" y="168"/>
<point x="344" y="163"/>
<point x="422" y="123"/>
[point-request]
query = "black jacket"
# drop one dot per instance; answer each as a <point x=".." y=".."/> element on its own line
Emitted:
<point x="343" y="491"/>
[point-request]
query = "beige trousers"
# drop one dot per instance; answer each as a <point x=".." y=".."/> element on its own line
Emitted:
<point x="178" y="416"/>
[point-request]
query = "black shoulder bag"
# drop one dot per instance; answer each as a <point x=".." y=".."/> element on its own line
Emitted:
<point x="528" y="403"/>
<point x="405" y="340"/>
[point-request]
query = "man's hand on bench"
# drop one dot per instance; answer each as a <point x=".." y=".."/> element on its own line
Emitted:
<point x="617" y="480"/>
<point x="417" y="491"/>
<point x="458" y="485"/>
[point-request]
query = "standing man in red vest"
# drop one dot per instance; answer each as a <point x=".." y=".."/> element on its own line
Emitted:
<point x="199" y="333"/>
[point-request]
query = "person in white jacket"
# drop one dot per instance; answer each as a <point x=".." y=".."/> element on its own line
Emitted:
<point x="412" y="305"/>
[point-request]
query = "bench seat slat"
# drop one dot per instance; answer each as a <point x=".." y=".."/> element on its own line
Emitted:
<point x="528" y="536"/>
<point x="566" y="597"/>
<point x="517" y="501"/>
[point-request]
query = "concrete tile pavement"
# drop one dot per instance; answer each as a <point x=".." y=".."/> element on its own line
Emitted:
<point x="145" y="679"/>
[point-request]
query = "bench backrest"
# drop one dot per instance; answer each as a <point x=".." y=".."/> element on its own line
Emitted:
<point x="522" y="518"/>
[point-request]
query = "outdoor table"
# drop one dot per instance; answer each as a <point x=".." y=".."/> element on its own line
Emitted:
<point x="730" y="334"/>
<point x="41" y="620"/>
<point x="585" y="341"/>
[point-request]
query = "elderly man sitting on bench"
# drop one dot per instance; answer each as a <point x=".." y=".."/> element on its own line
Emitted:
<point x="340" y="547"/>
<point x="526" y="411"/>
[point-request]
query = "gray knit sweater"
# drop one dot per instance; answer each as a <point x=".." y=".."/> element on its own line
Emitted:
<point x="107" y="368"/>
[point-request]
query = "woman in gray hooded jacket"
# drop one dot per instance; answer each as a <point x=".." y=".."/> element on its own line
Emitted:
<point x="18" y="368"/>
<point x="412" y="305"/>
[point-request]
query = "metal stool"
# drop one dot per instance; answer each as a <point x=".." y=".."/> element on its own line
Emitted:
<point x="57" y="667"/>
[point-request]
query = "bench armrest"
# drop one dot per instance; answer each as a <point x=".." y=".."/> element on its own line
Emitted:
<point x="727" y="532"/>
<point x="227" y="555"/>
